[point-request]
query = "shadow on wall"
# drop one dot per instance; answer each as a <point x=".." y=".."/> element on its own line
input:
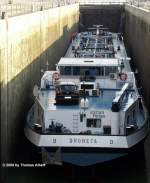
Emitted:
<point x="108" y="16"/>
<point x="17" y="98"/>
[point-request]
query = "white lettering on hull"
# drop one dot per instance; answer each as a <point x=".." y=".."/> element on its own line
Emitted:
<point x="78" y="141"/>
<point x="82" y="141"/>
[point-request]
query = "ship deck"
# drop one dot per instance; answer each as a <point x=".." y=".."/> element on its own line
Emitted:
<point x="119" y="54"/>
<point x="103" y="101"/>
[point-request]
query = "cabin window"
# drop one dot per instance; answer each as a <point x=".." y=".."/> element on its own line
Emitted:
<point x="100" y="71"/>
<point x="84" y="71"/>
<point x="109" y="70"/>
<point x="93" y="123"/>
<point x="88" y="71"/>
<point x="66" y="70"/>
<point x="76" y="71"/>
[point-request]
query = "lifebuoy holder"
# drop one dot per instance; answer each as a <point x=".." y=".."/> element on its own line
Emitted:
<point x="123" y="76"/>
<point x="55" y="76"/>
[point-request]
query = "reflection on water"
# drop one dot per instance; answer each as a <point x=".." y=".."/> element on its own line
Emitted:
<point x="125" y="170"/>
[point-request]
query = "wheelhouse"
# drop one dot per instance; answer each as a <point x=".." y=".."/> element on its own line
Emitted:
<point x="87" y="67"/>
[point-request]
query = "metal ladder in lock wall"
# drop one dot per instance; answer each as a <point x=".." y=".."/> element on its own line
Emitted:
<point x="75" y="123"/>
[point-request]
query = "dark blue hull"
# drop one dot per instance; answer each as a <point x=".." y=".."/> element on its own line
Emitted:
<point x="91" y="156"/>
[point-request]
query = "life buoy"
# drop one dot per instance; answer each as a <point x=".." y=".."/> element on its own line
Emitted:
<point x="55" y="76"/>
<point x="123" y="76"/>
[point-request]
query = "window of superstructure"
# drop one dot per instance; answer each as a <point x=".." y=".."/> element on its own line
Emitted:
<point x="84" y="71"/>
<point x="100" y="71"/>
<point x="110" y="69"/>
<point x="76" y="71"/>
<point x="96" y="123"/>
<point x="66" y="70"/>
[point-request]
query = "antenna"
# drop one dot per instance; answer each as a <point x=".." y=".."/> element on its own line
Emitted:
<point x="98" y="28"/>
<point x="96" y="25"/>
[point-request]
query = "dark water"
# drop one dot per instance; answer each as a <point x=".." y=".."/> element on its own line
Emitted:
<point x="130" y="169"/>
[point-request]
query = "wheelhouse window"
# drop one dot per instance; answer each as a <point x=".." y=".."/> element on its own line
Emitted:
<point x="84" y="71"/>
<point x="110" y="69"/>
<point x="76" y="71"/>
<point x="66" y="70"/>
<point x="100" y="71"/>
<point x="93" y="123"/>
<point x="87" y="71"/>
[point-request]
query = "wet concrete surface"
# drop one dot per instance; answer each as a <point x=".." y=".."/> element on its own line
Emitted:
<point x="129" y="169"/>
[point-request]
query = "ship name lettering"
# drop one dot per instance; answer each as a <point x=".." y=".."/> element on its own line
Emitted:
<point x="82" y="141"/>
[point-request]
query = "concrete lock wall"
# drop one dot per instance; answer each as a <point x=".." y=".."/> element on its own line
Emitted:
<point x="137" y="38"/>
<point x="27" y="43"/>
<point x="110" y="16"/>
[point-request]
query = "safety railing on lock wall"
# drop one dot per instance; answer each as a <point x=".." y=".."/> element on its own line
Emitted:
<point x="9" y="8"/>
<point x="145" y="4"/>
<point x="14" y="8"/>
<point x="98" y="2"/>
<point x="138" y="3"/>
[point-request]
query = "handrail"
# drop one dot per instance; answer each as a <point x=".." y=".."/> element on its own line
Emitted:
<point x="14" y="9"/>
<point x="138" y="3"/>
<point x="86" y="2"/>
<point x="145" y="4"/>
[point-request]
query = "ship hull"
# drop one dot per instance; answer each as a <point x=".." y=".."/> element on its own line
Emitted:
<point x="91" y="156"/>
<point x="86" y="150"/>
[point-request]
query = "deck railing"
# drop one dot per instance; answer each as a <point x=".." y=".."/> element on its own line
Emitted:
<point x="11" y="8"/>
